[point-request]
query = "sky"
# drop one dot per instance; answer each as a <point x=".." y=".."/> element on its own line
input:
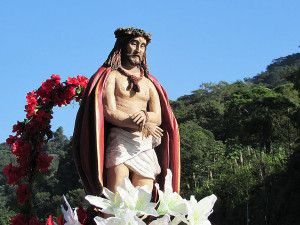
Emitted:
<point x="193" y="42"/>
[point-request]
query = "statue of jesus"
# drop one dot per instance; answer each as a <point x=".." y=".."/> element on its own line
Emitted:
<point x="125" y="125"/>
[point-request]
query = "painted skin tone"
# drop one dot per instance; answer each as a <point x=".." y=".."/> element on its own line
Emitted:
<point x="123" y="108"/>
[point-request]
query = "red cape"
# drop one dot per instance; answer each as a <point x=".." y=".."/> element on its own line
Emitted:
<point x="89" y="137"/>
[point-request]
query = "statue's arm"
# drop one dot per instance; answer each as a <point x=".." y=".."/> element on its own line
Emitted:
<point x="154" y="106"/>
<point x="111" y="113"/>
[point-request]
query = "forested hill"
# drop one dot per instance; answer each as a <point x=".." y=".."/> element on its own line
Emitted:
<point x="239" y="141"/>
<point x="279" y="71"/>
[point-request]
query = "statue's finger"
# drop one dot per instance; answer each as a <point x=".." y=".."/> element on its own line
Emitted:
<point x="158" y="128"/>
<point x="140" y="120"/>
<point x="155" y="135"/>
<point x="136" y="118"/>
<point x="159" y="133"/>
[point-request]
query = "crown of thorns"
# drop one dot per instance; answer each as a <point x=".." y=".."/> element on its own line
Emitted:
<point x="132" y="32"/>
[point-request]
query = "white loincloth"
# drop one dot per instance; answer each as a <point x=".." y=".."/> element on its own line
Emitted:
<point x="136" y="152"/>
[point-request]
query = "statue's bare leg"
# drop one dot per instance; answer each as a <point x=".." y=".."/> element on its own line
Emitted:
<point x="138" y="180"/>
<point x="115" y="176"/>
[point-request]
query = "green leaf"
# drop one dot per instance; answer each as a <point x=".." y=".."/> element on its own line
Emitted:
<point x="39" y="177"/>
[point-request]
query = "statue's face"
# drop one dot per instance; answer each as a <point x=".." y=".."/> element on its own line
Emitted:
<point x="136" y="48"/>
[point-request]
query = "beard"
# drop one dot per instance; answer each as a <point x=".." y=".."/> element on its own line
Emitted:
<point x="134" y="59"/>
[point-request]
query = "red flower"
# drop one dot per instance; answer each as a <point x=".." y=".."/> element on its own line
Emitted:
<point x="42" y="115"/>
<point x="72" y="81"/>
<point x="13" y="173"/>
<point x="83" y="81"/>
<point x="43" y="162"/>
<point x="58" y="98"/>
<point x="47" y="87"/>
<point x="32" y="103"/>
<point x="18" y="128"/>
<point x="61" y="220"/>
<point x="22" y="192"/>
<point x="31" y="98"/>
<point x="50" y="220"/>
<point x="30" y="110"/>
<point x="83" y="215"/>
<point x="10" y="140"/>
<point x="20" y="219"/>
<point x="22" y="151"/>
<point x="34" y="221"/>
<point x="68" y="94"/>
<point x="29" y="128"/>
<point x="55" y="79"/>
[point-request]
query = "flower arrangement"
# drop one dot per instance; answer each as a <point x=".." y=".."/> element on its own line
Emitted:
<point x="30" y="136"/>
<point x="129" y="205"/>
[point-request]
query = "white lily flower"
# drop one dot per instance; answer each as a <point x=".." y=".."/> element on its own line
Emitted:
<point x="198" y="212"/>
<point x="70" y="215"/>
<point x="112" y="205"/>
<point x="127" y="217"/>
<point x="161" y="221"/>
<point x="137" y="198"/>
<point x="171" y="202"/>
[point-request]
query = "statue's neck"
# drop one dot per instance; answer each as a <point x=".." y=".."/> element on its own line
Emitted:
<point x="135" y="70"/>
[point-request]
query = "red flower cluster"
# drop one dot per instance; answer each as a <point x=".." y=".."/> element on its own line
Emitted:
<point x="32" y="103"/>
<point x="22" y="151"/>
<point x="22" y="192"/>
<point x="43" y="162"/>
<point x="22" y="219"/>
<point x="29" y="138"/>
<point x="42" y="120"/>
<point x="46" y="90"/>
<point x="13" y="173"/>
<point x="81" y="82"/>
<point x="83" y="215"/>
<point x="64" y="95"/>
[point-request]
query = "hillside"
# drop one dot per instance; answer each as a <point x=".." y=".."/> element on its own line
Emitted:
<point x="279" y="71"/>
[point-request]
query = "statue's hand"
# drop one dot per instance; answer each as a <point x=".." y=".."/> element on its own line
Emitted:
<point x="140" y="117"/>
<point x="152" y="129"/>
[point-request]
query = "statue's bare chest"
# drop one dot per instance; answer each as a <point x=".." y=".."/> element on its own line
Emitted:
<point x="122" y="89"/>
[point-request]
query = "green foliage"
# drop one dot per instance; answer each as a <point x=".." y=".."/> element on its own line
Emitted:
<point x="237" y="140"/>
<point x="256" y="115"/>
<point x="6" y="198"/>
<point x="198" y="148"/>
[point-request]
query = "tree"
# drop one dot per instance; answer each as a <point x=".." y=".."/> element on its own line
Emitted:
<point x="198" y="153"/>
<point x="254" y="115"/>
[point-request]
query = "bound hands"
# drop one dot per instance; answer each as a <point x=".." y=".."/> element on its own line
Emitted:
<point x="147" y="128"/>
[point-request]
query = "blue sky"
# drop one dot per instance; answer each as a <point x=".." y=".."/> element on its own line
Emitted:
<point x="193" y="41"/>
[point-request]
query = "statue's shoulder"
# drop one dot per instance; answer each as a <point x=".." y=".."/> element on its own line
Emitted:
<point x="113" y="73"/>
<point x="154" y="80"/>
